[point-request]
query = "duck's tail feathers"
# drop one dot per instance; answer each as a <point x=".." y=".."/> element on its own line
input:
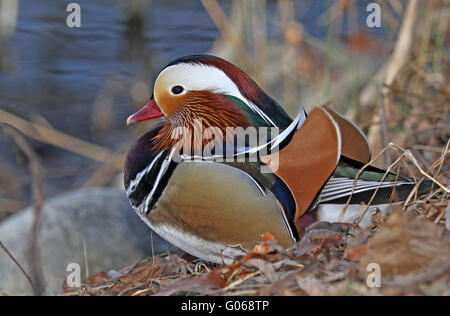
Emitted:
<point x="338" y="190"/>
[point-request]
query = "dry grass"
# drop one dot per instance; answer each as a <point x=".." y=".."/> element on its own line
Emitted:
<point x="331" y="259"/>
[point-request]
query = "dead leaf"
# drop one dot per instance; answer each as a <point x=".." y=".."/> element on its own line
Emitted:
<point x="320" y="236"/>
<point x="406" y="244"/>
<point x="264" y="267"/>
<point x="310" y="285"/>
<point x="97" y="278"/>
<point x="142" y="275"/>
<point x="264" y="248"/>
<point x="377" y="218"/>
<point x="212" y="280"/>
<point x="355" y="254"/>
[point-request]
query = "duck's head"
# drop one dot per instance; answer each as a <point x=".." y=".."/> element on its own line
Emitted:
<point x="212" y="89"/>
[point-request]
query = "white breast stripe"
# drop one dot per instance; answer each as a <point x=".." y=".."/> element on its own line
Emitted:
<point x="296" y="124"/>
<point x="135" y="182"/>
<point x="162" y="171"/>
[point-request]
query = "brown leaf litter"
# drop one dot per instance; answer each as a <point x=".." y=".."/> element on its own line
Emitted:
<point x="331" y="259"/>
<point x="411" y="247"/>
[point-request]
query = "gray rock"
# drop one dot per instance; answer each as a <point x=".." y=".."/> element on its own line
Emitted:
<point x="101" y="218"/>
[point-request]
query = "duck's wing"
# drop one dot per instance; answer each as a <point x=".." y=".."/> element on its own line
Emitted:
<point x="387" y="185"/>
<point x="355" y="145"/>
<point x="309" y="159"/>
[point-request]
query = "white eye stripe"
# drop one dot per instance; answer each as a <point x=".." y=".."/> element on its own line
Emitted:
<point x="195" y="77"/>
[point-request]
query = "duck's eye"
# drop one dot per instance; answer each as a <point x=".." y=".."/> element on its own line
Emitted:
<point x="177" y="89"/>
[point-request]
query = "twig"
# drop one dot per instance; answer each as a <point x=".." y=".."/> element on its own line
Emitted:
<point x="289" y="56"/>
<point x="416" y="163"/>
<point x="376" y="190"/>
<point x="61" y="140"/>
<point x="153" y="257"/>
<point x="8" y="20"/>
<point x="17" y="264"/>
<point x="402" y="49"/>
<point x="86" y="263"/>
<point x="416" y="187"/>
<point x="398" y="60"/>
<point x="405" y="153"/>
<point x="443" y="155"/>
<point x="240" y="281"/>
<point x="38" y="198"/>
<point x="105" y="172"/>
<point x="412" y="94"/>
<point x="428" y="148"/>
<point x="11" y="205"/>
<point x="389" y="17"/>
<point x="258" y="11"/>
<point x="384" y="130"/>
<point x="397" y="6"/>
<point x="341" y="216"/>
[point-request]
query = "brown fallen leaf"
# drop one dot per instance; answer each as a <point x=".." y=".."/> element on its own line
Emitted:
<point x="320" y="236"/>
<point x="310" y="285"/>
<point x="357" y="246"/>
<point x="264" y="248"/>
<point x="265" y="267"/>
<point x="406" y="244"/>
<point x="377" y="218"/>
<point x="97" y="278"/>
<point x="279" y="287"/>
<point x="212" y="280"/>
<point x="355" y="254"/>
<point x="142" y="275"/>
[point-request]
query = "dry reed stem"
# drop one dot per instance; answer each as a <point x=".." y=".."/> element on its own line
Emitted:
<point x="240" y="281"/>
<point x="408" y="154"/>
<point x="377" y="156"/>
<point x="398" y="60"/>
<point x="106" y="171"/>
<point x="38" y="197"/>
<point x="366" y="208"/>
<point x="258" y="10"/>
<point x="404" y="153"/>
<point x="53" y="137"/>
<point x="18" y="265"/>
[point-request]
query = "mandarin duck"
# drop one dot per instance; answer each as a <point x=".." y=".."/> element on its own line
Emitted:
<point x="216" y="208"/>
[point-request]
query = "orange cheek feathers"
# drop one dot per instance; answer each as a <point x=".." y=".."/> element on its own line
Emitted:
<point x="170" y="104"/>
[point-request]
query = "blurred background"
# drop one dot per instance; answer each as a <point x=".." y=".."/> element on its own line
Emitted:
<point x="68" y="91"/>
